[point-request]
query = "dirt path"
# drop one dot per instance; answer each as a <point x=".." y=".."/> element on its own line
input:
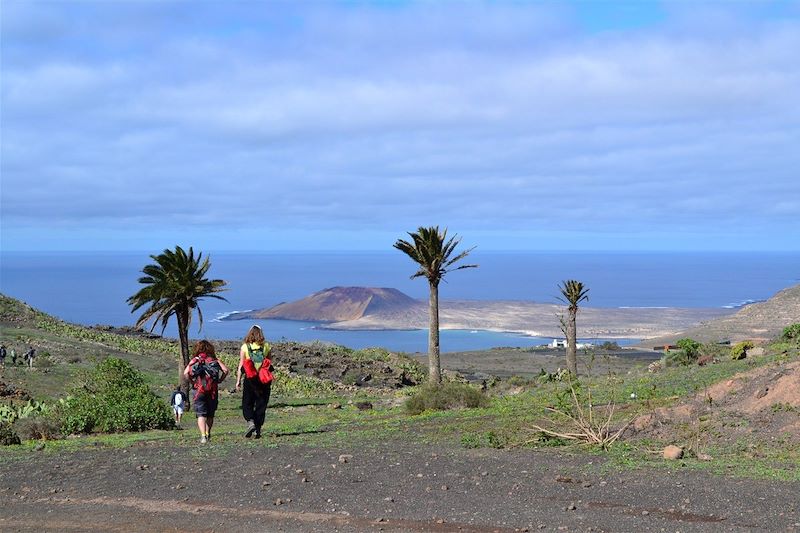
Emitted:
<point x="388" y="487"/>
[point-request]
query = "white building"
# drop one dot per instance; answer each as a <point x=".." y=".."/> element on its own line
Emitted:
<point x="562" y="343"/>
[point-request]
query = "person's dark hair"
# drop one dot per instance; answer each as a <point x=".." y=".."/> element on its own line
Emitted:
<point x="255" y="335"/>
<point x="204" y="347"/>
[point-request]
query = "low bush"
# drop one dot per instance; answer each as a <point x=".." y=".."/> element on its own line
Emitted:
<point x="690" y="347"/>
<point x="37" y="427"/>
<point x="610" y="346"/>
<point x="791" y="333"/>
<point x="444" y="397"/>
<point x="112" y="398"/>
<point x="7" y="434"/>
<point x="739" y="350"/>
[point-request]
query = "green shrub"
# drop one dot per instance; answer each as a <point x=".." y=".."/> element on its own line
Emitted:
<point x="7" y="434"/>
<point x="37" y="427"/>
<point x="610" y="346"/>
<point x="739" y="350"/>
<point x="445" y="396"/>
<point x="112" y="398"/>
<point x="675" y="358"/>
<point x="690" y="347"/>
<point x="791" y="333"/>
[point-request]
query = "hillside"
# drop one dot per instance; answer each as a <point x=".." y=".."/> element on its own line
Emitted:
<point x="758" y="321"/>
<point x="363" y="308"/>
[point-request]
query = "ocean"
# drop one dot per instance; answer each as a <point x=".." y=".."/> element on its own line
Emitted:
<point x="92" y="287"/>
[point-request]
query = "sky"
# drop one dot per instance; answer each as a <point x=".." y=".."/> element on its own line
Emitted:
<point x="255" y="125"/>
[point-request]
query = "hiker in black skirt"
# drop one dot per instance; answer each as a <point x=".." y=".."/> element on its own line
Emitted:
<point x="255" y="364"/>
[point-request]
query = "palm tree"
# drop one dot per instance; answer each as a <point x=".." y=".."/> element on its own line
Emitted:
<point x="174" y="285"/>
<point x="432" y="251"/>
<point x="573" y="293"/>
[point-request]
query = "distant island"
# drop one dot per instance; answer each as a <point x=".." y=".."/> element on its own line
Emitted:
<point x="370" y="308"/>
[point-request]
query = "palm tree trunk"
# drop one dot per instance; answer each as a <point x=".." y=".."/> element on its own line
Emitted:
<point x="183" y="336"/>
<point x="572" y="343"/>
<point x="434" y="364"/>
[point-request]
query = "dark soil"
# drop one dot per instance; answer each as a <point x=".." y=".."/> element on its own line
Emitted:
<point x="388" y="487"/>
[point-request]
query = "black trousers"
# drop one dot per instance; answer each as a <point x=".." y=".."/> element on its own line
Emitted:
<point x="255" y="396"/>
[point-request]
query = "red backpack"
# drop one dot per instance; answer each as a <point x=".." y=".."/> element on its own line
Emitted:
<point x="264" y="374"/>
<point x="203" y="380"/>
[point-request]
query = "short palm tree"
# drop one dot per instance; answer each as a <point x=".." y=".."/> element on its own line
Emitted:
<point x="573" y="292"/>
<point x="433" y="252"/>
<point x="174" y="285"/>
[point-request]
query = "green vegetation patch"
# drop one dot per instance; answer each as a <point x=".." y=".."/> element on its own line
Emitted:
<point x="444" y="397"/>
<point x="112" y="398"/>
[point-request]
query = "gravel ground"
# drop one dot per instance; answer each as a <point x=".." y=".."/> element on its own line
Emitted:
<point x="163" y="486"/>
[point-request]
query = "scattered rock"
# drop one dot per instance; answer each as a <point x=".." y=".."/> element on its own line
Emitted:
<point x="345" y="458"/>
<point x="704" y="457"/>
<point x="654" y="367"/>
<point x="756" y="352"/>
<point x="673" y="452"/>
<point x="763" y="392"/>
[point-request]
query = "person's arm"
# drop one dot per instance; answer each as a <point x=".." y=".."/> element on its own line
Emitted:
<point x="187" y="372"/>
<point x="242" y="354"/>
<point x="225" y="371"/>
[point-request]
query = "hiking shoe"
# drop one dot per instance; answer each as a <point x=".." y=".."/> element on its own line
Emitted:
<point x="203" y="439"/>
<point x="251" y="428"/>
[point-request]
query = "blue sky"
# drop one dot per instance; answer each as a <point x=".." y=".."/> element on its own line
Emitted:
<point x="308" y="126"/>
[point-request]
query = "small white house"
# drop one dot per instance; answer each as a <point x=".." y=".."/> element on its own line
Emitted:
<point x="562" y="343"/>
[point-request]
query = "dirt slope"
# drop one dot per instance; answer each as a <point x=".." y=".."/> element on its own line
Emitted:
<point x="759" y="321"/>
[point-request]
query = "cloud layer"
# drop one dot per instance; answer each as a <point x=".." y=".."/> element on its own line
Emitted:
<point x="146" y="119"/>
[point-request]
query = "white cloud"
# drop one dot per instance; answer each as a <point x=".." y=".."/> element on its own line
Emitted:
<point x="480" y="116"/>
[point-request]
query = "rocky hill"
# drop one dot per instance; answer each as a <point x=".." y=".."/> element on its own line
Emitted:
<point x="340" y="304"/>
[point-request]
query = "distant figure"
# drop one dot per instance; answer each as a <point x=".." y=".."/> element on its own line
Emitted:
<point x="2" y="355"/>
<point x="205" y="372"/>
<point x="178" y="402"/>
<point x="29" y="356"/>
<point x="254" y="361"/>
<point x="13" y="357"/>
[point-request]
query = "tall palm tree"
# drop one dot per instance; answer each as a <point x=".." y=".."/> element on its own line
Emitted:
<point x="432" y="251"/>
<point x="174" y="285"/>
<point x="573" y="293"/>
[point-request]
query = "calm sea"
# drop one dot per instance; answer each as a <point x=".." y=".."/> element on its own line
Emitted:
<point x="91" y="288"/>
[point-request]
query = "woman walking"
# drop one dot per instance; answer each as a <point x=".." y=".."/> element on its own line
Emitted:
<point x="254" y="362"/>
<point x="205" y="372"/>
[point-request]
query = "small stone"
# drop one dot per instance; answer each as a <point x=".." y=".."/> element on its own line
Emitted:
<point x="645" y="513"/>
<point x="304" y="480"/>
<point x="587" y="485"/>
<point x="704" y="457"/>
<point x="484" y="473"/>
<point x="673" y="452"/>
<point x="388" y="499"/>
<point x="445" y="487"/>
<point x="345" y="458"/>
<point x="299" y="471"/>
<point x="419" y="475"/>
<point x="278" y="501"/>
<point x="440" y="521"/>
<point x="570" y="507"/>
<point x="39" y="446"/>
